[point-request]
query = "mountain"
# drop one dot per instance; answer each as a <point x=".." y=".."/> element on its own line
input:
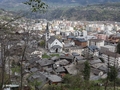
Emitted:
<point x="66" y="1"/>
<point x="92" y="12"/>
<point x="14" y="5"/>
<point x="97" y="12"/>
<point x="11" y="4"/>
<point x="82" y="1"/>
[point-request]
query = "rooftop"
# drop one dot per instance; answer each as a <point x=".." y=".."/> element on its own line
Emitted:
<point x="96" y="40"/>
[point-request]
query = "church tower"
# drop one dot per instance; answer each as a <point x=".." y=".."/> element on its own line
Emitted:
<point x="47" y="35"/>
<point x="47" y="32"/>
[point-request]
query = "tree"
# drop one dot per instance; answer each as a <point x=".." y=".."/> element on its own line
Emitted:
<point x="86" y="71"/>
<point x="36" y="5"/>
<point x="42" y="43"/>
<point x="118" y="48"/>
<point x="5" y="31"/>
<point x="34" y="84"/>
<point x="112" y="74"/>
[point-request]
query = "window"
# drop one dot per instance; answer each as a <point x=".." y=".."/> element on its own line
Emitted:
<point x="56" y="42"/>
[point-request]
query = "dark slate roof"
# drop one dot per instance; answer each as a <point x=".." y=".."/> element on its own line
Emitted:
<point x="103" y="68"/>
<point x="52" y="38"/>
<point x="56" y="46"/>
<point x="109" y="53"/>
<point x="33" y="69"/>
<point x="92" y="62"/>
<point x="74" y="47"/>
<point x="49" y="70"/>
<point x="67" y="57"/>
<point x="45" y="62"/>
<point x="51" y="77"/>
<point x="75" y="54"/>
<point x="95" y="71"/>
<point x="60" y="69"/>
<point x="80" y="39"/>
<point x="54" y="78"/>
<point x="55" y="58"/>
<point x="96" y="40"/>
<point x="38" y="75"/>
<point x="71" y="37"/>
<point x="79" y="57"/>
<point x="93" y="48"/>
<point x="33" y="59"/>
<point x="62" y="62"/>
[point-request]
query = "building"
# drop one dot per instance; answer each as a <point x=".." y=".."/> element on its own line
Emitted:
<point x="80" y="42"/>
<point x="54" y="45"/>
<point x="91" y="51"/>
<point x="101" y="36"/>
<point x="73" y="49"/>
<point x="109" y="47"/>
<point x="110" y="57"/>
<point x="96" y="42"/>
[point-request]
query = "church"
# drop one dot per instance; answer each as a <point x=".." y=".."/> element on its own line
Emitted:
<point x="52" y="43"/>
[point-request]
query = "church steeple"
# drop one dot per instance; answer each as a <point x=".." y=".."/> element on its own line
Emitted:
<point x="47" y="27"/>
<point x="47" y="33"/>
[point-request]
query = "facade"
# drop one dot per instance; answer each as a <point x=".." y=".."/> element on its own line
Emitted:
<point x="96" y="42"/>
<point x="109" y="47"/>
<point x="80" y="42"/>
<point x="54" y="45"/>
<point x="110" y="57"/>
<point x="91" y="51"/>
<point x="114" y="38"/>
<point x="101" y="36"/>
<point x="76" y="49"/>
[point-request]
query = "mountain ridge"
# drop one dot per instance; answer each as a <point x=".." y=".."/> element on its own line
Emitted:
<point x="97" y="12"/>
<point x="91" y="12"/>
<point x="18" y="4"/>
<point x="63" y="1"/>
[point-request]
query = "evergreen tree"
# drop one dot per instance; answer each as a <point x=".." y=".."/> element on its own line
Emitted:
<point x="112" y="74"/>
<point x="86" y="72"/>
<point x="118" y="48"/>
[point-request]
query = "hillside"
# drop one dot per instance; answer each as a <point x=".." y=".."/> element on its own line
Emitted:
<point x="64" y="1"/>
<point x="93" y="12"/>
<point x="18" y="4"/>
<point x="81" y="1"/>
<point x="97" y="12"/>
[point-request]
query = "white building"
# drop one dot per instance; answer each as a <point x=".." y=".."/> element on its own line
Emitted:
<point x="96" y="42"/>
<point x="110" y="57"/>
<point x="109" y="47"/>
<point x="54" y="45"/>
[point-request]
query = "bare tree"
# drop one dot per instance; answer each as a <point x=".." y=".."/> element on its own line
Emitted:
<point x="35" y="6"/>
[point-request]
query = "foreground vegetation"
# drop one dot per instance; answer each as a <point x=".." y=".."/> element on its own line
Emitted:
<point x="77" y="83"/>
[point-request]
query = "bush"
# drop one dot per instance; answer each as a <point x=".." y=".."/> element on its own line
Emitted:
<point x="42" y="43"/>
<point x="45" y="56"/>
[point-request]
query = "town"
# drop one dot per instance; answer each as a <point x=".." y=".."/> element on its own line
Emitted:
<point x="45" y="51"/>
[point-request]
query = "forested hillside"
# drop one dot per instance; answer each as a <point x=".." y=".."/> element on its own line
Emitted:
<point x="97" y="12"/>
